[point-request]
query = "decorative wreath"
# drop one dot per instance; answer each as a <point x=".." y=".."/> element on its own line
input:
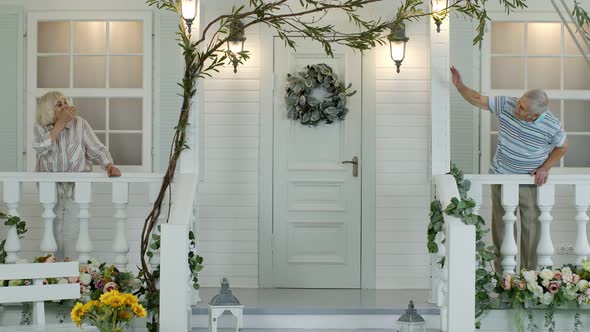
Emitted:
<point x="316" y="95"/>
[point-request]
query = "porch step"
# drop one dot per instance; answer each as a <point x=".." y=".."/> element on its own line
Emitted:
<point x="296" y="310"/>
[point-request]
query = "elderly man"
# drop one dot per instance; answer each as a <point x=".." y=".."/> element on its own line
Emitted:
<point x="530" y="141"/>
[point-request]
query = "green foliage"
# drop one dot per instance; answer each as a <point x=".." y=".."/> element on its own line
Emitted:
<point x="582" y="18"/>
<point x="195" y="262"/>
<point x="411" y="10"/>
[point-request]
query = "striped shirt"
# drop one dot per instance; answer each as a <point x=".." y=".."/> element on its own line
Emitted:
<point x="522" y="146"/>
<point x="74" y="150"/>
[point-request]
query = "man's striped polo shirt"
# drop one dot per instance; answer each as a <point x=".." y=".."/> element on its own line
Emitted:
<point x="522" y="146"/>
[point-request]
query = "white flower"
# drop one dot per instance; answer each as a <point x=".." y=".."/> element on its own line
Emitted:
<point x="571" y="292"/>
<point x="135" y="283"/>
<point x="545" y="283"/>
<point x="582" y="285"/>
<point x="530" y="276"/>
<point x="535" y="289"/>
<point x="85" y="279"/>
<point x="62" y="281"/>
<point x="546" y="274"/>
<point x="546" y="298"/>
<point x="567" y="274"/>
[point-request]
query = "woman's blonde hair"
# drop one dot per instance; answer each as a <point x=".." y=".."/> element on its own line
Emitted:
<point x="46" y="107"/>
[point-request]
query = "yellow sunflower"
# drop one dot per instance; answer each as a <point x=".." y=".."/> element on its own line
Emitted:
<point x="77" y="313"/>
<point x="124" y="315"/>
<point x="138" y="310"/>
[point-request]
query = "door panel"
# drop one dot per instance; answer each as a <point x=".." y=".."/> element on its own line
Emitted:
<point x="316" y="198"/>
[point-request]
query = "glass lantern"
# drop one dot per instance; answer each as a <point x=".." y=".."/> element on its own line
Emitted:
<point x="411" y="321"/>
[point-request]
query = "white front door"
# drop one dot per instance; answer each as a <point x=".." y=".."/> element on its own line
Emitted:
<point x="316" y="197"/>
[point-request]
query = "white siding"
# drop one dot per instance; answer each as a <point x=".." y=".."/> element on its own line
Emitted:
<point x="403" y="186"/>
<point x="464" y="117"/>
<point x="228" y="193"/>
<point x="10" y="20"/>
<point x="167" y="103"/>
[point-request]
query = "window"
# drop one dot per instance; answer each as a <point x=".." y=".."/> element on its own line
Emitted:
<point x="527" y="55"/>
<point x="103" y="62"/>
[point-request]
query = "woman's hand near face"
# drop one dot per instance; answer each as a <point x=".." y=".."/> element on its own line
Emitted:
<point x="65" y="114"/>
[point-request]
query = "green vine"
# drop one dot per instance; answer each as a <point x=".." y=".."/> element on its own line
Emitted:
<point x="578" y="325"/>
<point x="21" y="229"/>
<point x="411" y="10"/>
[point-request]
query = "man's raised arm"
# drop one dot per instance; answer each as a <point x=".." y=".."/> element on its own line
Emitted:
<point x="471" y="96"/>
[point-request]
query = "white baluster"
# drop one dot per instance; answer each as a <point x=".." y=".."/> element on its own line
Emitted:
<point x="12" y="190"/>
<point x="120" y="246"/>
<point x="545" y="201"/>
<point x="476" y="192"/>
<point x="509" y="249"/>
<point x="83" y="196"/>
<point x="582" y="248"/>
<point x="48" y="199"/>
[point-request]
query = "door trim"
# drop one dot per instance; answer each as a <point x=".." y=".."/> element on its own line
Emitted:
<point x="265" y="182"/>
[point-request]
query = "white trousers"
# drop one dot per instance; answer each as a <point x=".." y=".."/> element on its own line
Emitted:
<point x="66" y="228"/>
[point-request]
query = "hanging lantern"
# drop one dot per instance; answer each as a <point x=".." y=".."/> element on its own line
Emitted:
<point x="397" y="43"/>
<point x="235" y="41"/>
<point x="189" y="12"/>
<point x="439" y="11"/>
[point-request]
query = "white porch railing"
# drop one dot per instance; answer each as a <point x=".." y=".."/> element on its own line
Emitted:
<point x="455" y="290"/>
<point x="545" y="201"/>
<point x="455" y="298"/>
<point x="47" y="184"/>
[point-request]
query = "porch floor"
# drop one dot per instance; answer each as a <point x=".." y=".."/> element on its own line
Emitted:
<point x="260" y="301"/>
<point x="325" y="310"/>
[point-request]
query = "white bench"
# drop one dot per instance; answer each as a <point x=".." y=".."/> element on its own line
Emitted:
<point x="38" y="293"/>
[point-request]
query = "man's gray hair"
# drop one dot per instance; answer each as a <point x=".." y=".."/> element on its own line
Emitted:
<point x="538" y="101"/>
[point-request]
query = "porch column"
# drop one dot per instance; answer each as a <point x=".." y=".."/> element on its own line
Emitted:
<point x="440" y="154"/>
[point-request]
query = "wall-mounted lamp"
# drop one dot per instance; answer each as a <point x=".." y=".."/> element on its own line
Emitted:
<point x="235" y="41"/>
<point x="189" y="12"/>
<point x="397" y="42"/>
<point x="439" y="11"/>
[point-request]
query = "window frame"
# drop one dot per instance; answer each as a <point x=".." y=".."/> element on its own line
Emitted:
<point x="145" y="93"/>
<point x="486" y="77"/>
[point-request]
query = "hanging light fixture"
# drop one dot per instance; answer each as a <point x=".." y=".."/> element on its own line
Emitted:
<point x="235" y="41"/>
<point x="397" y="43"/>
<point x="439" y="11"/>
<point x="189" y="12"/>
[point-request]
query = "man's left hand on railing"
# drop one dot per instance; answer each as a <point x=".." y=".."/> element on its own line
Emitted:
<point x="541" y="175"/>
<point x="113" y="171"/>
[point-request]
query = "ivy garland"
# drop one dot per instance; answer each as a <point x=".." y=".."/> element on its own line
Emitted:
<point x="21" y="229"/>
<point x="462" y="208"/>
<point x="315" y="95"/>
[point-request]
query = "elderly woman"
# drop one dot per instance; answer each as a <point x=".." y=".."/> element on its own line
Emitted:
<point x="65" y="142"/>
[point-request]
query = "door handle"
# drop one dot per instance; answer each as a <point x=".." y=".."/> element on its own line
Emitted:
<point x="355" y="165"/>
